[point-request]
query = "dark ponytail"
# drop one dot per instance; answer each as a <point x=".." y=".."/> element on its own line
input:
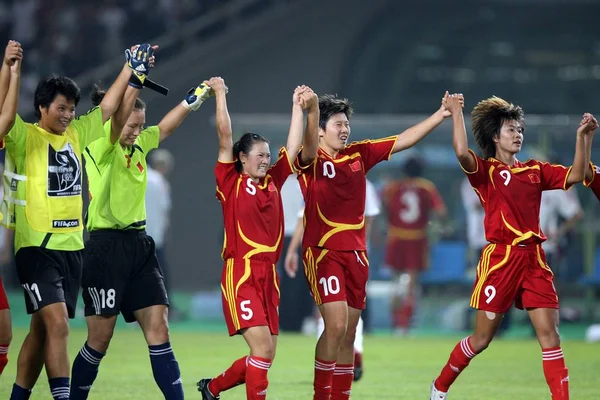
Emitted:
<point x="244" y="145"/>
<point x="97" y="95"/>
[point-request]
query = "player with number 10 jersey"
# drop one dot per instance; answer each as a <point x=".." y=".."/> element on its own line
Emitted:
<point x="334" y="243"/>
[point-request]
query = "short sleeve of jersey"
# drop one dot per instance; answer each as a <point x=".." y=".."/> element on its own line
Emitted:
<point x="226" y="176"/>
<point x="89" y="126"/>
<point x="149" y="139"/>
<point x="281" y="169"/>
<point x="554" y="176"/>
<point x="16" y="138"/>
<point x="298" y="163"/>
<point x="478" y="177"/>
<point x="373" y="152"/>
<point x="594" y="183"/>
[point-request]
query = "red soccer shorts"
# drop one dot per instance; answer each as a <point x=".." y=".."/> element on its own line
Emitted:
<point x="250" y="294"/>
<point x="519" y="274"/>
<point x="3" y="298"/>
<point x="407" y="255"/>
<point x="337" y="276"/>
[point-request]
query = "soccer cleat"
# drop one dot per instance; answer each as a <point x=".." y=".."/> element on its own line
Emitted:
<point x="358" y="373"/>
<point x="203" y="388"/>
<point x="437" y="394"/>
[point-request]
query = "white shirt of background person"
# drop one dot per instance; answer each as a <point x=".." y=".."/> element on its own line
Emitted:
<point x="158" y="206"/>
<point x="474" y="214"/>
<point x="293" y="205"/>
<point x="555" y="204"/>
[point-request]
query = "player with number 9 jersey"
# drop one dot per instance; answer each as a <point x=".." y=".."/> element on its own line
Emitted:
<point x="248" y="188"/>
<point x="334" y="244"/>
<point x="512" y="267"/>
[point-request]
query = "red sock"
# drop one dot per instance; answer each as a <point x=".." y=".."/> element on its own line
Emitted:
<point x="323" y="379"/>
<point x="232" y="377"/>
<point x="404" y="313"/>
<point x="357" y="359"/>
<point x="3" y="357"/>
<point x="256" y="378"/>
<point x="459" y="360"/>
<point x="557" y="375"/>
<point x="343" y="375"/>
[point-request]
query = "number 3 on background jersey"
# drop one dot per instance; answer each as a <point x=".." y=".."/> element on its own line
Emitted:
<point x="412" y="210"/>
<point x="328" y="169"/>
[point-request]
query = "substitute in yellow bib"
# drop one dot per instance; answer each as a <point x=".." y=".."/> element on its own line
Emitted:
<point x="43" y="203"/>
<point x="121" y="273"/>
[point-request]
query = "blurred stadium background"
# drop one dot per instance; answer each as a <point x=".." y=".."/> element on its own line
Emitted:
<point x="394" y="60"/>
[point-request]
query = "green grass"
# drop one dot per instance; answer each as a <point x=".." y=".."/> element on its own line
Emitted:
<point x="395" y="368"/>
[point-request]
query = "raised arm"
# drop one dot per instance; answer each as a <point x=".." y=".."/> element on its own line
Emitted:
<point x="8" y="114"/>
<point x="12" y="53"/>
<point x="587" y="141"/>
<point x="581" y="158"/>
<point x="121" y="115"/>
<point x="415" y="133"/>
<point x="294" y="140"/>
<point x="194" y="99"/>
<point x="454" y="104"/>
<point x="310" y="143"/>
<point x="217" y="84"/>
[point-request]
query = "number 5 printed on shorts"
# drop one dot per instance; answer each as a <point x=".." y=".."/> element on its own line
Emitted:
<point x="102" y="299"/>
<point x="247" y="311"/>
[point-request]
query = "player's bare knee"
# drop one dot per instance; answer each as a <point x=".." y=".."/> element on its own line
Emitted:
<point x="99" y="339"/>
<point x="5" y="336"/>
<point x="548" y="337"/>
<point x="57" y="328"/>
<point x="157" y="333"/>
<point x="481" y="341"/>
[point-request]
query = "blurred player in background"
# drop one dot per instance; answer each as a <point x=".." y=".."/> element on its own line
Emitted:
<point x="513" y="267"/>
<point x="248" y="187"/>
<point x="121" y="273"/>
<point x="372" y="209"/>
<point x="409" y="203"/>
<point x="334" y="242"/>
<point x="44" y="206"/>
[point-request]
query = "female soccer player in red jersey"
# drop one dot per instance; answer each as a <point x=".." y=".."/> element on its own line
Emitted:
<point x="248" y="187"/>
<point x="334" y="244"/>
<point x="512" y="267"/>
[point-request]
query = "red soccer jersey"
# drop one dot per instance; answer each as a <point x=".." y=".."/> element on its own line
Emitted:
<point x="334" y="191"/>
<point x="511" y="197"/>
<point x="409" y="203"/>
<point x="252" y="212"/>
<point x="594" y="184"/>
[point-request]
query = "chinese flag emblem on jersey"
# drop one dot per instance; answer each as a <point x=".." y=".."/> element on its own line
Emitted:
<point x="534" y="178"/>
<point x="271" y="187"/>
<point x="355" y="166"/>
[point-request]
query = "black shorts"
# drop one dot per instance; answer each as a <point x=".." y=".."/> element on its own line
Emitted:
<point x="121" y="273"/>
<point x="48" y="277"/>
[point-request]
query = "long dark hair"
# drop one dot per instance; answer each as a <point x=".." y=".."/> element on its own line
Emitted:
<point x="244" y="145"/>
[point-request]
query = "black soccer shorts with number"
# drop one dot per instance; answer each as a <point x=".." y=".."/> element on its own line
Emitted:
<point x="48" y="277"/>
<point x="121" y="273"/>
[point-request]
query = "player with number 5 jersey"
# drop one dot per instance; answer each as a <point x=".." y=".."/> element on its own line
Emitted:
<point x="513" y="267"/>
<point x="334" y="243"/>
<point x="248" y="188"/>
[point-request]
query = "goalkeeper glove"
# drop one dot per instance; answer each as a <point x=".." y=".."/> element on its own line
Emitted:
<point x="196" y="96"/>
<point x="138" y="60"/>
